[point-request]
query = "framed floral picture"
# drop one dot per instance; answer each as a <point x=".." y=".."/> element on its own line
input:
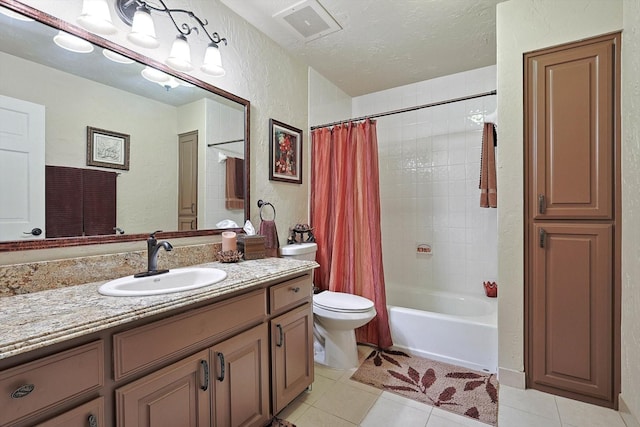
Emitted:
<point x="107" y="149"/>
<point x="285" y="152"/>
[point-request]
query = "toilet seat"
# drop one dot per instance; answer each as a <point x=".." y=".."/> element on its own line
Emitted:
<point x="341" y="302"/>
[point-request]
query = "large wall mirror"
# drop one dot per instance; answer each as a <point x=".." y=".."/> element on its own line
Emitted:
<point x="122" y="151"/>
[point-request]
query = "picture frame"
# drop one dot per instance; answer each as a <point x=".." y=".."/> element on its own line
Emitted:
<point x="285" y="152"/>
<point x="107" y="149"/>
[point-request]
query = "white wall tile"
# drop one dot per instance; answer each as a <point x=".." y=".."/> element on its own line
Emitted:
<point x="429" y="169"/>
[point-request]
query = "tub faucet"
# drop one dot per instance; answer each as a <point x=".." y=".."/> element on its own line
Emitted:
<point x="153" y="247"/>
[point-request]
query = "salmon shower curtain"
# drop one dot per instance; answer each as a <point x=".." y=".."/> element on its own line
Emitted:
<point x="345" y="214"/>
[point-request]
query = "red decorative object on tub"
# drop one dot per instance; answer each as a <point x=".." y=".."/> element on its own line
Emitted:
<point x="491" y="289"/>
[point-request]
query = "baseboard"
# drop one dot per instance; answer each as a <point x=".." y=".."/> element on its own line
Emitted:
<point x="629" y="419"/>
<point x="511" y="378"/>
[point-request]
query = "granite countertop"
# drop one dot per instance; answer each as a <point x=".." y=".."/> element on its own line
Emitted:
<point x="36" y="320"/>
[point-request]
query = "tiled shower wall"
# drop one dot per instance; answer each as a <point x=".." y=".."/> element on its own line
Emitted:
<point x="429" y="173"/>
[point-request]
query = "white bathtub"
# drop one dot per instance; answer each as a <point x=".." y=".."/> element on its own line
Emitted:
<point x="452" y="328"/>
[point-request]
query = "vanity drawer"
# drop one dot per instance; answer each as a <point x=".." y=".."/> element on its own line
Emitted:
<point x="90" y="414"/>
<point x="141" y="348"/>
<point x="52" y="380"/>
<point x="290" y="293"/>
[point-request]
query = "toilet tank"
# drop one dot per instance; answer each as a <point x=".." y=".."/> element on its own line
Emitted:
<point x="302" y="251"/>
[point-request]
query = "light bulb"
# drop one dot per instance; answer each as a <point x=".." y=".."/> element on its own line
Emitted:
<point x="96" y="17"/>
<point x="143" y="32"/>
<point x="180" y="56"/>
<point x="212" y="64"/>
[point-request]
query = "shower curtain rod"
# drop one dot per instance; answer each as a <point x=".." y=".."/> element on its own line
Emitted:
<point x="225" y="142"/>
<point x="405" y="110"/>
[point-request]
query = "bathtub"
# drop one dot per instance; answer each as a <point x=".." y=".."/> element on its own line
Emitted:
<point x="452" y="328"/>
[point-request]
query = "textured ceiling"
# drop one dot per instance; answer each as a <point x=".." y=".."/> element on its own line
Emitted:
<point x="386" y="43"/>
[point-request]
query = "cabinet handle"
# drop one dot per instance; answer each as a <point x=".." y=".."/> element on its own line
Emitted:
<point x="193" y="208"/>
<point x="542" y="207"/>
<point x="296" y="289"/>
<point x="205" y="369"/>
<point x="280" y="336"/>
<point x="22" y="391"/>
<point x="221" y="359"/>
<point x="93" y="421"/>
<point x="193" y="224"/>
<point x="542" y="235"/>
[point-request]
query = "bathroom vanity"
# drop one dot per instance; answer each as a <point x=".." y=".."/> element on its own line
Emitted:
<point x="229" y="354"/>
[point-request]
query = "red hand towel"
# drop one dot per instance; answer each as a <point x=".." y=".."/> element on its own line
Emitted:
<point x="270" y="233"/>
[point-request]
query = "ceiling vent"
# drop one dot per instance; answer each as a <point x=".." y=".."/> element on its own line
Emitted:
<point x="308" y="20"/>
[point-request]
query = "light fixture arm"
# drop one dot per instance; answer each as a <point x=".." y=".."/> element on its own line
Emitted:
<point x="184" y="29"/>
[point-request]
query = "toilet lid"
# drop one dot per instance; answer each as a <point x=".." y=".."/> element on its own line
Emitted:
<point x="343" y="302"/>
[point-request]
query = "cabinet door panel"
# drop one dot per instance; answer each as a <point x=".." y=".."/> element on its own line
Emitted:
<point x="571" y="132"/>
<point x="292" y="352"/>
<point x="241" y="379"/>
<point x="571" y="308"/>
<point x="177" y="395"/>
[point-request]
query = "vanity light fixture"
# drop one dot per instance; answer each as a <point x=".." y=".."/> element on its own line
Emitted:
<point x="155" y="76"/>
<point x="96" y="17"/>
<point x="137" y="13"/>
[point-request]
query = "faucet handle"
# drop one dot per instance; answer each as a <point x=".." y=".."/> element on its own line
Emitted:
<point x="153" y="234"/>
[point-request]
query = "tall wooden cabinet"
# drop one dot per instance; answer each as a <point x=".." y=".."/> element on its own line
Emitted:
<point x="572" y="213"/>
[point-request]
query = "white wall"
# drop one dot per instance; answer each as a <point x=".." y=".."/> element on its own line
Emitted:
<point x="327" y="102"/>
<point x="429" y="172"/>
<point x="523" y="26"/>
<point x="258" y="70"/>
<point x="631" y="209"/>
<point x="72" y="104"/>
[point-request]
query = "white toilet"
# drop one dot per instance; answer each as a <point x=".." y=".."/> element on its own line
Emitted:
<point x="336" y="316"/>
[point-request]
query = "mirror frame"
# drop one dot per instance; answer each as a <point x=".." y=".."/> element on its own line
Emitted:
<point x="59" y="24"/>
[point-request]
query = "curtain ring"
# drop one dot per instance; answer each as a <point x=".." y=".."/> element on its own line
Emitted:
<point x="261" y="205"/>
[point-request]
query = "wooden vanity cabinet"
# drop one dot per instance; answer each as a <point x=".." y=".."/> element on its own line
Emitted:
<point x="233" y="362"/>
<point x="291" y="340"/>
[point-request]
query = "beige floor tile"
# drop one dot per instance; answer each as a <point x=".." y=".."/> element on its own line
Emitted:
<point x="532" y="401"/>
<point x="346" y="379"/>
<point x="347" y="402"/>
<point x="389" y="413"/>
<point x="511" y="417"/>
<point x="582" y="414"/>
<point x="407" y="402"/>
<point x="455" y="418"/>
<point x="436" y="421"/>
<point x="325" y="371"/>
<point x="315" y="417"/>
<point x="294" y="410"/>
<point x="318" y="388"/>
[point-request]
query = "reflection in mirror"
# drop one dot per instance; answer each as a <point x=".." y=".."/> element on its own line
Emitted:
<point x="186" y="153"/>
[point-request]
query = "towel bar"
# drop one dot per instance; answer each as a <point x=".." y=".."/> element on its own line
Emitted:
<point x="261" y="205"/>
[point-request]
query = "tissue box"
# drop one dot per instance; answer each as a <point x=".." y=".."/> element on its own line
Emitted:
<point x="251" y="246"/>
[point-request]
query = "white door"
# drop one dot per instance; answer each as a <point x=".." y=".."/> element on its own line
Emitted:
<point x="21" y="170"/>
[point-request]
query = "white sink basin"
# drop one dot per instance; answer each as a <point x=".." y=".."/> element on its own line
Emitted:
<point x="179" y="279"/>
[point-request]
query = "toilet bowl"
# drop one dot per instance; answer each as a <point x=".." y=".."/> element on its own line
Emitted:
<point x="336" y="315"/>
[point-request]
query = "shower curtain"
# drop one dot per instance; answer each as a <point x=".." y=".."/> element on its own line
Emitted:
<point x="345" y="214"/>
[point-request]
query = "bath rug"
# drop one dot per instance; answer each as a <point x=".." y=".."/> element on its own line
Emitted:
<point x="277" y="422"/>
<point x="452" y="388"/>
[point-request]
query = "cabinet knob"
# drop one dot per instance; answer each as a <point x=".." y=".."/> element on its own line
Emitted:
<point x="296" y="289"/>
<point x="22" y="391"/>
<point x="93" y="421"/>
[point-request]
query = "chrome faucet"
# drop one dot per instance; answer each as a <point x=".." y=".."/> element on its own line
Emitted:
<point x="153" y="247"/>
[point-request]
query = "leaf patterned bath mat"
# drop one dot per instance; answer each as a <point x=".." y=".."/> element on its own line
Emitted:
<point x="449" y="387"/>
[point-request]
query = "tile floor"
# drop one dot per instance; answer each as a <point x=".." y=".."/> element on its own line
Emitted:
<point x="337" y="401"/>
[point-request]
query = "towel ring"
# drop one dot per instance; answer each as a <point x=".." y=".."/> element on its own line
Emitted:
<point x="261" y="205"/>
